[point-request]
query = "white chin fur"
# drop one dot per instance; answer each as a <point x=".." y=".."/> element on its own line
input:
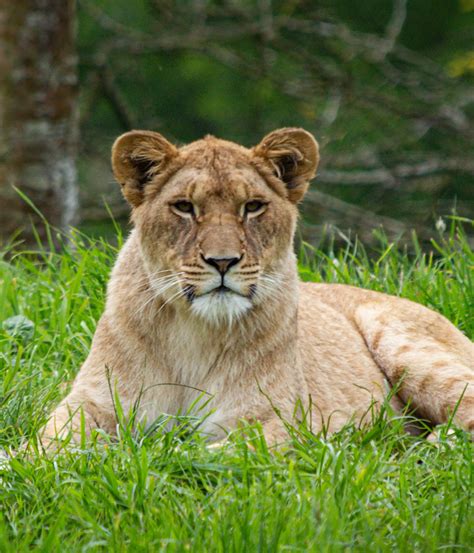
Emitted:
<point x="221" y="308"/>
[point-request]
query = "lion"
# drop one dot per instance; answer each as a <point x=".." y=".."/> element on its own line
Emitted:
<point x="205" y="307"/>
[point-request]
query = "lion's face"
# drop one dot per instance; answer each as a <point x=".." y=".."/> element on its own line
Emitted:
<point x="219" y="235"/>
<point x="215" y="220"/>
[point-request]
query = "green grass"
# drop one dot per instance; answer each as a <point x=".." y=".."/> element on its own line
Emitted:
<point x="375" y="489"/>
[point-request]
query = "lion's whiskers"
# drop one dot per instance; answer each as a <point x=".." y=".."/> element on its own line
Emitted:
<point x="270" y="284"/>
<point x="179" y="293"/>
<point x="145" y="279"/>
<point x="158" y="287"/>
<point x="157" y="283"/>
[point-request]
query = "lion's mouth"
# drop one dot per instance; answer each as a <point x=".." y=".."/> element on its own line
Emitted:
<point x="222" y="289"/>
<point x="218" y="291"/>
<point x="191" y="293"/>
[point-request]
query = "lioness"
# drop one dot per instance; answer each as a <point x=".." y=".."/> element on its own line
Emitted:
<point x="205" y="296"/>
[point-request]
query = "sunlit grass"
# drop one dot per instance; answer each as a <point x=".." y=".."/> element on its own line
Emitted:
<point x="376" y="489"/>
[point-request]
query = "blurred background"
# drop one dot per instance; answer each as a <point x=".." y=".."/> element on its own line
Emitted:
<point x="387" y="87"/>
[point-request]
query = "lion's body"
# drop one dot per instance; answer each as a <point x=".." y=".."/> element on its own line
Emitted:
<point x="207" y="298"/>
<point x="357" y="343"/>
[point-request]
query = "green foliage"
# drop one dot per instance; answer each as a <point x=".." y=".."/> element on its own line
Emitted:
<point x="395" y="126"/>
<point x="375" y="489"/>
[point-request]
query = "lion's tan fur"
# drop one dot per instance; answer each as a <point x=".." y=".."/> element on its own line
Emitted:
<point x="276" y="338"/>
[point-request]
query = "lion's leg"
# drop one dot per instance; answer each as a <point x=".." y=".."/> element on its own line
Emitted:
<point x="75" y="416"/>
<point x="430" y="360"/>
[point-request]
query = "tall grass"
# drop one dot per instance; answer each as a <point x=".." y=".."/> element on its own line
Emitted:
<point x="376" y="489"/>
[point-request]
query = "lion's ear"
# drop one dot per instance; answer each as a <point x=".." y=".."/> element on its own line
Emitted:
<point x="293" y="155"/>
<point x="137" y="157"/>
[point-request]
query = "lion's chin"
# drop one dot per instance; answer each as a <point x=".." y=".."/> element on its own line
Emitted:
<point x="221" y="308"/>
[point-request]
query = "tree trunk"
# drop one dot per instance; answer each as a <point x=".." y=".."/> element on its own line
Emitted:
<point x="38" y="116"/>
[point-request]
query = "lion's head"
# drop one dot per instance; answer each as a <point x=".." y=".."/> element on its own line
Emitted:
<point x="215" y="220"/>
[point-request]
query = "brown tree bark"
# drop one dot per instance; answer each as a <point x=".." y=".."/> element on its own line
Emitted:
<point x="38" y="115"/>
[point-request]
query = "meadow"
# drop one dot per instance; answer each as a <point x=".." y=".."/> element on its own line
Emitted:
<point x="364" y="489"/>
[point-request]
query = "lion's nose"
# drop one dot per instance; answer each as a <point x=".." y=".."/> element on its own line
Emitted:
<point x="222" y="264"/>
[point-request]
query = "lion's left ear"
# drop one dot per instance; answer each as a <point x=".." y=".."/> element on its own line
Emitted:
<point x="293" y="155"/>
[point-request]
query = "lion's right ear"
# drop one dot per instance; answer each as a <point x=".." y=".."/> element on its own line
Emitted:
<point x="137" y="157"/>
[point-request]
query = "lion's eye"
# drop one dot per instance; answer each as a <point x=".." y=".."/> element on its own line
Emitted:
<point x="184" y="207"/>
<point x="254" y="206"/>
